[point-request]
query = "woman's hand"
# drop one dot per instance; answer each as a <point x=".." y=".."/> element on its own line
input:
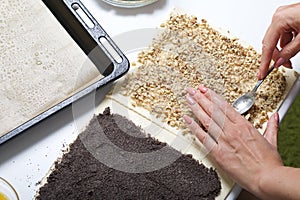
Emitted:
<point x="236" y="146"/>
<point x="284" y="28"/>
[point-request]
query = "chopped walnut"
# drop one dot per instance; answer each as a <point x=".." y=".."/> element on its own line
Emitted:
<point x="189" y="53"/>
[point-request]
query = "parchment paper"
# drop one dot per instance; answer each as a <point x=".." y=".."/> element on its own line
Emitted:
<point x="40" y="63"/>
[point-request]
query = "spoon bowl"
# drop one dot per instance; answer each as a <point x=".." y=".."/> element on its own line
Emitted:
<point x="246" y="101"/>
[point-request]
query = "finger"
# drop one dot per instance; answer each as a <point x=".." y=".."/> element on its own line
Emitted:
<point x="207" y="106"/>
<point x="288" y="64"/>
<point x="276" y="57"/>
<point x="220" y="103"/>
<point x="290" y="50"/>
<point x="203" y="137"/>
<point x="212" y="128"/>
<point x="286" y="38"/>
<point x="269" y="44"/>
<point x="272" y="130"/>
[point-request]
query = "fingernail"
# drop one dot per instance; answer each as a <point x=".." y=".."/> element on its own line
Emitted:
<point x="202" y="89"/>
<point x="277" y="116"/>
<point x="187" y="119"/>
<point x="190" y="100"/>
<point x="280" y="62"/>
<point x="191" y="91"/>
<point x="289" y="65"/>
<point x="259" y="75"/>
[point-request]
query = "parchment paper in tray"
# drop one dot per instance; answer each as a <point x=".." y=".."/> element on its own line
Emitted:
<point x="40" y="66"/>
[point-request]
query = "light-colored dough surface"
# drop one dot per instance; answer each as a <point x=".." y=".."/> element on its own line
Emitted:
<point x="123" y="105"/>
<point x="163" y="132"/>
<point x="169" y="135"/>
<point x="40" y="63"/>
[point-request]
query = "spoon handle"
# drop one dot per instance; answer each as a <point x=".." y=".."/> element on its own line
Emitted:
<point x="260" y="81"/>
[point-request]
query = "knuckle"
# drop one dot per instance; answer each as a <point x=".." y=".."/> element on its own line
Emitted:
<point x="291" y="49"/>
<point x="206" y="123"/>
<point x="197" y="97"/>
<point x="235" y="134"/>
<point x="286" y="53"/>
<point x="278" y="13"/>
<point x="267" y="48"/>
<point x="221" y="157"/>
<point x="210" y="110"/>
<point x="193" y="126"/>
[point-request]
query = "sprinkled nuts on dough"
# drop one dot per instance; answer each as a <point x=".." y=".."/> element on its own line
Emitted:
<point x="188" y="53"/>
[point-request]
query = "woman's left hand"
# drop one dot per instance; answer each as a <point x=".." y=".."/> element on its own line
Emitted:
<point x="236" y="146"/>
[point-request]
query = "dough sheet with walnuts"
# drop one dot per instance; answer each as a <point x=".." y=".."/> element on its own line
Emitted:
<point x="187" y="52"/>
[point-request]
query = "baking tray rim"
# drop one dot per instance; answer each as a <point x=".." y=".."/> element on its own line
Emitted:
<point x="94" y="34"/>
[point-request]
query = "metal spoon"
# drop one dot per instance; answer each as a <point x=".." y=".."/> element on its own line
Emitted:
<point x="246" y="101"/>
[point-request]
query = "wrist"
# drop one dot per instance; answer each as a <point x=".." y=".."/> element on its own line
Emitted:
<point x="268" y="182"/>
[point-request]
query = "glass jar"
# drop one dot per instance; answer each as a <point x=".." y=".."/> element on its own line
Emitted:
<point x="129" y="3"/>
<point x="7" y="192"/>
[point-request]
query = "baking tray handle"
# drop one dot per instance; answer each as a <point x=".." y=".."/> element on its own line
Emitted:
<point x="119" y="60"/>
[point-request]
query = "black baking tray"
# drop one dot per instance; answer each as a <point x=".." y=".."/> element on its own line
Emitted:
<point x="88" y="39"/>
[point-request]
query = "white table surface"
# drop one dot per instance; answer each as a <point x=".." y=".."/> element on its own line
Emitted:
<point x="25" y="159"/>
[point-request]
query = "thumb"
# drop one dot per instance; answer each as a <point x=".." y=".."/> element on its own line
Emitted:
<point x="288" y="51"/>
<point x="272" y="129"/>
<point x="282" y="61"/>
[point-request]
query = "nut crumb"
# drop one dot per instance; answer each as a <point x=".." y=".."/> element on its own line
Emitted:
<point x="189" y="53"/>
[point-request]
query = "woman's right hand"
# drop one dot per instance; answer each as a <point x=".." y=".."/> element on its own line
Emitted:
<point x="284" y="28"/>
